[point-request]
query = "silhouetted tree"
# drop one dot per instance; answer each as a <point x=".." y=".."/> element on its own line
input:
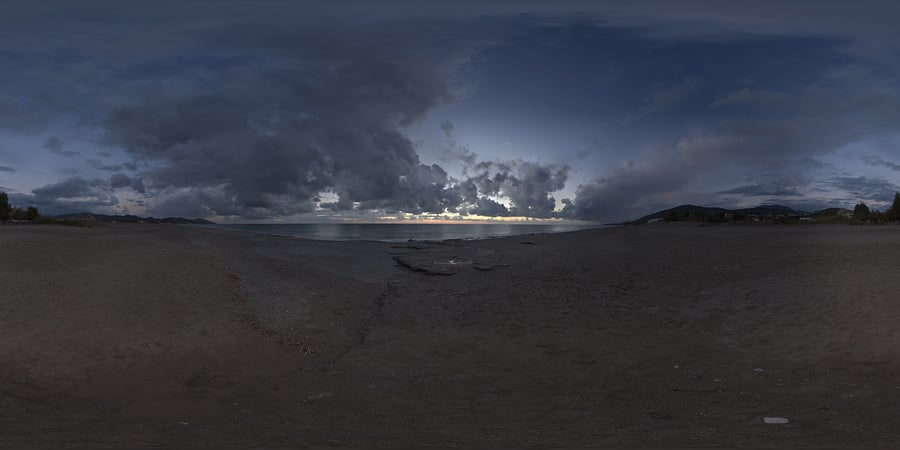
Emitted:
<point x="9" y="212"/>
<point x="894" y="212"/>
<point x="861" y="212"/>
<point x="5" y="209"/>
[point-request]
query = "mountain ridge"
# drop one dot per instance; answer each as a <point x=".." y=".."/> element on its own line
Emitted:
<point x="129" y="218"/>
<point x="690" y="211"/>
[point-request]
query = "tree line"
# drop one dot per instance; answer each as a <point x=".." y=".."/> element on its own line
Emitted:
<point x="9" y="212"/>
<point x="892" y="214"/>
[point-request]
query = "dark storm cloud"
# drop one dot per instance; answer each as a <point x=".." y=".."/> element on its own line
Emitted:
<point x="100" y="165"/>
<point x="253" y="111"/>
<point x="70" y="188"/>
<point x="58" y="146"/>
<point x="877" y="161"/>
<point x="528" y="186"/>
<point x="864" y="188"/>
<point x="454" y="151"/>
<point x="254" y="114"/>
<point x="120" y="180"/>
<point x="488" y="207"/>
<point x="7" y="169"/>
<point x="74" y="194"/>
<point x="621" y="193"/>
<point x="324" y="119"/>
<point x="54" y="144"/>
<point x="17" y="116"/>
<point x="762" y="190"/>
<point x="688" y="18"/>
<point x="196" y="203"/>
<point x="764" y="131"/>
<point x="66" y="153"/>
<point x="848" y="103"/>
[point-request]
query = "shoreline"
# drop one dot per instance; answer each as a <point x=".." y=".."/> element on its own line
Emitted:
<point x="416" y="238"/>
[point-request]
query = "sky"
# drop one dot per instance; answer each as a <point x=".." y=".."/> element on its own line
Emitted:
<point x="302" y="111"/>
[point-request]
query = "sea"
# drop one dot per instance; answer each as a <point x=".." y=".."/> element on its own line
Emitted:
<point x="397" y="232"/>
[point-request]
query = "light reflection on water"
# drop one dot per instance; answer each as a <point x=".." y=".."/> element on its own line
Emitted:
<point x="402" y="232"/>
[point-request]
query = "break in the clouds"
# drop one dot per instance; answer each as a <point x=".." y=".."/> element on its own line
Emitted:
<point x="572" y="110"/>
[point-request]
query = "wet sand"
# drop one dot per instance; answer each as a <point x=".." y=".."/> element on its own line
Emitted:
<point x="676" y="335"/>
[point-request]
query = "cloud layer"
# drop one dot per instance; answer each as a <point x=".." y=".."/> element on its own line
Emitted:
<point x="300" y="110"/>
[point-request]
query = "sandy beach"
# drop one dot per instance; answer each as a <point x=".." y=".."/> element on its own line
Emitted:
<point x="675" y="335"/>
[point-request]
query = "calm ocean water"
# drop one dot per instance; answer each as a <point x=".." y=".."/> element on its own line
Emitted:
<point x="401" y="232"/>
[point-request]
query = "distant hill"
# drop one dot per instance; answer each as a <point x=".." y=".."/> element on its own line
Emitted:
<point x="133" y="219"/>
<point x="828" y="212"/>
<point x="688" y="212"/>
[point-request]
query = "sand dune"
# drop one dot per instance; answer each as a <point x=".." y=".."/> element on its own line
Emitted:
<point x="671" y="335"/>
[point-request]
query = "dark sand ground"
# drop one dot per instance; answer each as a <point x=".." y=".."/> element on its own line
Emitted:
<point x="675" y="335"/>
